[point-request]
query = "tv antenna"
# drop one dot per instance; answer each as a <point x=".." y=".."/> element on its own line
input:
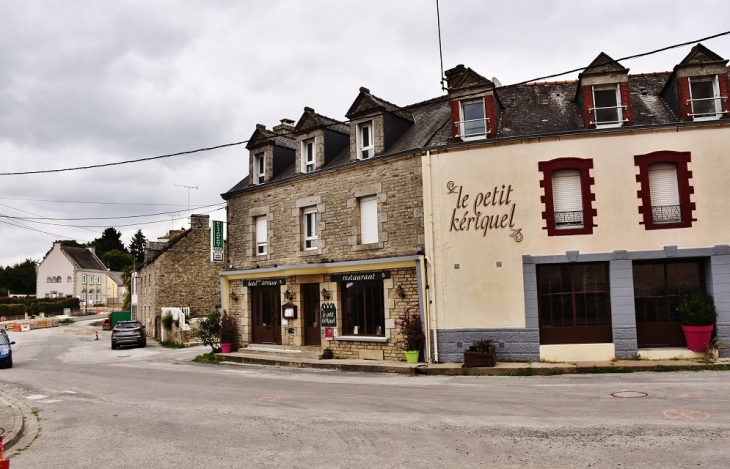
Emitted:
<point x="188" y="188"/>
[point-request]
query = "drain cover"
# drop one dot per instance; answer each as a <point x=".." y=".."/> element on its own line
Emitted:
<point x="629" y="394"/>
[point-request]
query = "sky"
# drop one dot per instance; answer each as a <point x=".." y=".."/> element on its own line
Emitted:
<point x="87" y="83"/>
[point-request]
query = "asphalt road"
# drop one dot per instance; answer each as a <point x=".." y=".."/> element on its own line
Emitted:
<point x="154" y="408"/>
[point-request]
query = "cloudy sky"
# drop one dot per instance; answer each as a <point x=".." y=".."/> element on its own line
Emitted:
<point x="88" y="82"/>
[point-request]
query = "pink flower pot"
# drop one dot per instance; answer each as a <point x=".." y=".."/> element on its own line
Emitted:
<point x="697" y="337"/>
<point x="226" y="348"/>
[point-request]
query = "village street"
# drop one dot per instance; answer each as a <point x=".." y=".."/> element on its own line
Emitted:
<point x="154" y="408"/>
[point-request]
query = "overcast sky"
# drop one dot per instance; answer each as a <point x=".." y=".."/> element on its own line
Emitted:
<point x="89" y="82"/>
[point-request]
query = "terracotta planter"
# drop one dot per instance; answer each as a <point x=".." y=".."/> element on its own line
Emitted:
<point x="478" y="359"/>
<point x="698" y="337"/>
<point x="226" y="348"/>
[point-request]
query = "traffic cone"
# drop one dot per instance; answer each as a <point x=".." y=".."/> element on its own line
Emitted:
<point x="97" y="335"/>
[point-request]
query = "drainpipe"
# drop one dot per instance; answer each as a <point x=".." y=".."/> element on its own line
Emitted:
<point x="430" y="283"/>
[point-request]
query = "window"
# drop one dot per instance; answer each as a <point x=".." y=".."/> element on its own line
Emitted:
<point x="568" y="196"/>
<point x="368" y="220"/>
<point x="83" y="279"/>
<point x="363" y="308"/>
<point x="69" y="279"/>
<point x="705" y="98"/>
<point x="365" y="146"/>
<point x="83" y="295"/>
<point x="308" y="160"/>
<point x="607" y="108"/>
<point x="473" y="122"/>
<point x="665" y="190"/>
<point x="259" y="168"/>
<point x="49" y="280"/>
<point x="310" y="228"/>
<point x="98" y="295"/>
<point x="261" y="238"/>
<point x="567" y="199"/>
<point x="98" y="280"/>
<point x="573" y="303"/>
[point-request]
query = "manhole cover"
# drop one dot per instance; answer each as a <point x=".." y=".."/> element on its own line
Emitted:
<point x="629" y="394"/>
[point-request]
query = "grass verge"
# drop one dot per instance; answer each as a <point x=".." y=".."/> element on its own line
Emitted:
<point x="207" y="358"/>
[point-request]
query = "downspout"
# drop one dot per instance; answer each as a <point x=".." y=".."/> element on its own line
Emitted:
<point x="428" y="229"/>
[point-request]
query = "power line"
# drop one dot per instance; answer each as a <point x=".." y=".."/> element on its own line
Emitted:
<point x="33" y="229"/>
<point x="220" y="205"/>
<point x="31" y="213"/>
<point x="88" y="202"/>
<point x="216" y="147"/>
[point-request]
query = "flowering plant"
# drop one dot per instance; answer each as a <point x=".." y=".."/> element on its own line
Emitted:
<point x="411" y="331"/>
<point x="229" y="331"/>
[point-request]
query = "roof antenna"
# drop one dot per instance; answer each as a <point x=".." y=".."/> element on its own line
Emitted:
<point x="188" y="188"/>
<point x="441" y="55"/>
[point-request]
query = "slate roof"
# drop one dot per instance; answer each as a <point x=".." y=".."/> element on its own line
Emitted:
<point x="82" y="258"/>
<point x="116" y="277"/>
<point x="158" y="250"/>
<point x="528" y="110"/>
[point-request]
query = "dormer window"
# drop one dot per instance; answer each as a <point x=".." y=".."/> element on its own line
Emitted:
<point x="308" y="162"/>
<point x="607" y="108"/>
<point x="705" y="98"/>
<point x="259" y="168"/>
<point x="365" y="145"/>
<point x="473" y="123"/>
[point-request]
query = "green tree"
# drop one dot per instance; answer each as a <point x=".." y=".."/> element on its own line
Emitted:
<point x="21" y="278"/>
<point x="117" y="260"/>
<point x="137" y="246"/>
<point x="110" y="240"/>
<point x="72" y="243"/>
<point x="127" y="279"/>
<point x="209" y="330"/>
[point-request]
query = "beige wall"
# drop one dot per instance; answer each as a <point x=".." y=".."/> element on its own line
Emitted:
<point x="480" y="294"/>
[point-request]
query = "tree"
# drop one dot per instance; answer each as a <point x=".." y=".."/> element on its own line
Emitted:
<point x="209" y="330"/>
<point x="72" y="243"/>
<point x="127" y="279"/>
<point x="21" y="278"/>
<point x="117" y="260"/>
<point x="137" y="246"/>
<point x="110" y="239"/>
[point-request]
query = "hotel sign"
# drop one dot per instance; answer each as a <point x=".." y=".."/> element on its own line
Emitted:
<point x="268" y="282"/>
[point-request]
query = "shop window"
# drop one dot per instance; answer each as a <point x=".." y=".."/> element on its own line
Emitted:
<point x="665" y="190"/>
<point x="368" y="220"/>
<point x="574" y="303"/>
<point x="363" y="308"/>
<point x="568" y="196"/>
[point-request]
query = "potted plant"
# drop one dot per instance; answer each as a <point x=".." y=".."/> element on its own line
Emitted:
<point x="412" y="336"/>
<point x="229" y="332"/>
<point x="480" y="353"/>
<point x="698" y="315"/>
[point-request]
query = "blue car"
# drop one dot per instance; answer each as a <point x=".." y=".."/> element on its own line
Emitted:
<point x="6" y="353"/>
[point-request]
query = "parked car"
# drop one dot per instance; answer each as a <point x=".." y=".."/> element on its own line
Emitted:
<point x="106" y="325"/>
<point x="128" y="333"/>
<point x="6" y="352"/>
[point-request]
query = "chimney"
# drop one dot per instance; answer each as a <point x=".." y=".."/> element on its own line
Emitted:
<point x="199" y="222"/>
<point x="286" y="126"/>
<point x="92" y="249"/>
<point x="453" y="75"/>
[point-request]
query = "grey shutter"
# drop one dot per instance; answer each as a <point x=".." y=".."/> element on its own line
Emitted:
<point x="369" y="220"/>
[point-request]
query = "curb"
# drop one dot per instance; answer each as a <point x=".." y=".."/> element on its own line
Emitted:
<point x="13" y="434"/>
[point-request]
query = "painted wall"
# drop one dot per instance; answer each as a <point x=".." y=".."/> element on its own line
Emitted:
<point x="472" y="290"/>
<point x="55" y="264"/>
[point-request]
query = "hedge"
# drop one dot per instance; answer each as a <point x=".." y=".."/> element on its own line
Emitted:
<point x="12" y="310"/>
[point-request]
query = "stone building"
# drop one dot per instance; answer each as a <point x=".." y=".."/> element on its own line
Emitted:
<point x="563" y="220"/>
<point x="177" y="272"/>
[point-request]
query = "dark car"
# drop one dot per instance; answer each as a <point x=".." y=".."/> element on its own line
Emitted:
<point x="128" y="333"/>
<point x="6" y="353"/>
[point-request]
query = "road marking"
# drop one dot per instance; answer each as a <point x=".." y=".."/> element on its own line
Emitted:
<point x="35" y="397"/>
<point x="271" y="398"/>
<point x="673" y="414"/>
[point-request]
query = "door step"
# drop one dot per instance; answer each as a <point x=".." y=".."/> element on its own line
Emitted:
<point x="273" y="350"/>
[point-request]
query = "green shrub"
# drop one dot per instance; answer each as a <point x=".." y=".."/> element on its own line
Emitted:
<point x="697" y="309"/>
<point x="167" y="321"/>
<point x="12" y="310"/>
<point x="209" y="330"/>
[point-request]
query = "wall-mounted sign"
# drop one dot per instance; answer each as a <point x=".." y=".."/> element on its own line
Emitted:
<point x="329" y="315"/>
<point x="328" y="333"/>
<point x="484" y="211"/>
<point x="216" y="242"/>
<point x="360" y="277"/>
<point x="268" y="282"/>
<point x="289" y="311"/>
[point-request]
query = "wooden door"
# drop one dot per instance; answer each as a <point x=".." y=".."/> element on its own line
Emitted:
<point x="310" y="314"/>
<point x="265" y="315"/>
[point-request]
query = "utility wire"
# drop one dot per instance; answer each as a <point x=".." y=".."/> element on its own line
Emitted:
<point x="151" y="158"/>
<point x="220" y="205"/>
<point x="46" y="218"/>
<point x="33" y="229"/>
<point x="87" y="202"/>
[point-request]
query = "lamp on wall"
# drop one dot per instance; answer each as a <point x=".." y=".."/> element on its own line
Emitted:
<point x="233" y="296"/>
<point x="325" y="294"/>
<point x="399" y="290"/>
<point x="288" y="295"/>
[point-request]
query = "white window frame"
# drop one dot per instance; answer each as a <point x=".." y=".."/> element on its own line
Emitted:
<point x="259" y="168"/>
<point x="311" y="230"/>
<point x="716" y="98"/>
<point x="369" y="220"/>
<point x="83" y="296"/>
<point x="83" y="279"/>
<point x="98" y="295"/>
<point x="568" y="199"/>
<point x="309" y="163"/>
<point x="616" y="88"/>
<point x="462" y="122"/>
<point x="369" y="149"/>
<point x="98" y="280"/>
<point x="261" y="235"/>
